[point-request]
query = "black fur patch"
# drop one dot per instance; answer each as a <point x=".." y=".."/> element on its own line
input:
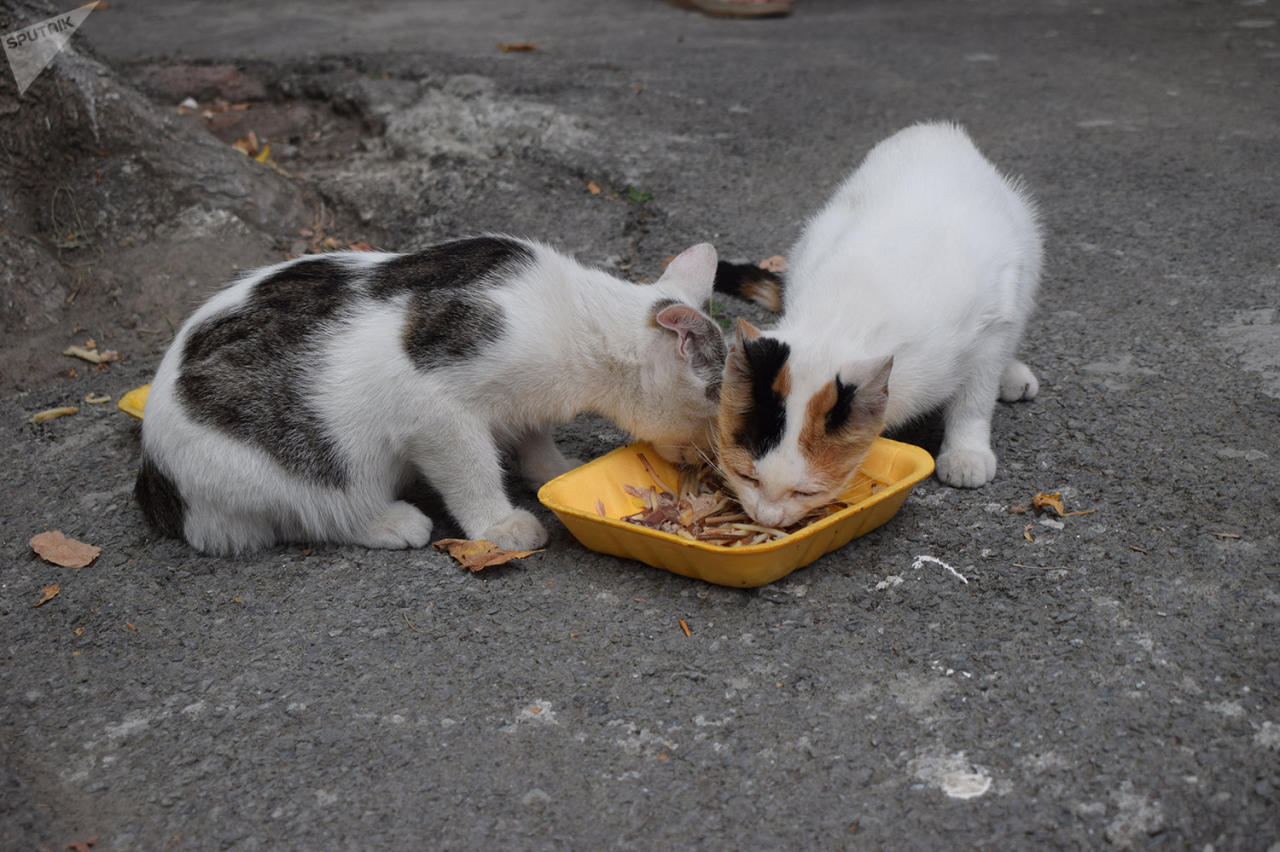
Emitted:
<point x="450" y="318"/>
<point x="763" y="425"/>
<point x="843" y="407"/>
<point x="161" y="503"/>
<point x="247" y="371"/>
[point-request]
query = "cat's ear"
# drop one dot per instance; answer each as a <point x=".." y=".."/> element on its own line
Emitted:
<point x="744" y="331"/>
<point x="698" y="337"/>
<point x="861" y="394"/>
<point x="691" y="273"/>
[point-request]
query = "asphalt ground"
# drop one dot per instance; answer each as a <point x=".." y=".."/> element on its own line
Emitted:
<point x="965" y="676"/>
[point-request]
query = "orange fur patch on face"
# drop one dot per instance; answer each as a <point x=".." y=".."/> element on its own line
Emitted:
<point x="833" y="457"/>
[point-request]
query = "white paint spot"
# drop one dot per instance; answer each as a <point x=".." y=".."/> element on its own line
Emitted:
<point x="889" y="582"/>
<point x="1137" y="817"/>
<point x="539" y="711"/>
<point x="1254" y="337"/>
<point x="131" y="725"/>
<point x="951" y="773"/>
<point x="535" y="798"/>
<point x="1230" y="709"/>
<point x="921" y="560"/>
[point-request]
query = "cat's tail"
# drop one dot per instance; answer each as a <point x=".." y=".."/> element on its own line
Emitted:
<point x="158" y="497"/>
<point x="750" y="282"/>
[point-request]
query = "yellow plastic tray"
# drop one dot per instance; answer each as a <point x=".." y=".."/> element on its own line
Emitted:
<point x="134" y="401"/>
<point x="890" y="469"/>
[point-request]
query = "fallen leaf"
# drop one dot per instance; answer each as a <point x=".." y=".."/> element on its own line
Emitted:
<point x="91" y="354"/>
<point x="247" y="144"/>
<point x="1018" y="509"/>
<point x="1044" y="502"/>
<point x="129" y="625"/>
<point x="775" y="264"/>
<point x="53" y="546"/>
<point x="1026" y="533"/>
<point x="264" y="153"/>
<point x="49" y="593"/>
<point x="84" y="845"/>
<point x="360" y="245"/>
<point x="517" y="47"/>
<point x="51" y="413"/>
<point x="479" y="554"/>
<point x="593" y="187"/>
<point x="685" y="628"/>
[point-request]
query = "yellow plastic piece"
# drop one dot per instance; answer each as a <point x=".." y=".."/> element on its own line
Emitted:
<point x="134" y="401"/>
<point x="878" y="491"/>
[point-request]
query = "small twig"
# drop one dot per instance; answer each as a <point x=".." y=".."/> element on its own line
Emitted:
<point x="409" y="623"/>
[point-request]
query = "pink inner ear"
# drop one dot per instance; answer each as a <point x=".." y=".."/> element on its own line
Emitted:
<point x="680" y="319"/>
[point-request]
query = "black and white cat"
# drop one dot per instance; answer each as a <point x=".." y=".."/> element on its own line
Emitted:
<point x="297" y="403"/>
<point x="907" y="292"/>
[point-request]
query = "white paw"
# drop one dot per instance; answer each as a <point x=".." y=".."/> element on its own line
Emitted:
<point x="966" y="468"/>
<point x="518" y="531"/>
<point x="401" y="526"/>
<point x="1018" y="383"/>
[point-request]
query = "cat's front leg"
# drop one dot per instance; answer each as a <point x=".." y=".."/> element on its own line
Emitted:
<point x="466" y="470"/>
<point x="966" y="459"/>
<point x="540" y="459"/>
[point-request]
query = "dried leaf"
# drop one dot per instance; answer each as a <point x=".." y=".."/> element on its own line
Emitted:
<point x="51" y="413"/>
<point x="1044" y="502"/>
<point x="776" y="264"/>
<point x="84" y="845"/>
<point x="478" y="554"/>
<point x="53" y="546"/>
<point x="91" y="354"/>
<point x="685" y="628"/>
<point x="593" y="187"/>
<point x="264" y="153"/>
<point x="360" y="245"/>
<point x="517" y="47"/>
<point x="49" y="593"/>
<point x="247" y="144"/>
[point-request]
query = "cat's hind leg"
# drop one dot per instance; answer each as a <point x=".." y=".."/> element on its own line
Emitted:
<point x="1018" y="383"/>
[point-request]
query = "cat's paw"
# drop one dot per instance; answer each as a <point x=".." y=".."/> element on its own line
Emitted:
<point x="966" y="468"/>
<point x="1018" y="383"/>
<point x="400" y="526"/>
<point x="518" y="531"/>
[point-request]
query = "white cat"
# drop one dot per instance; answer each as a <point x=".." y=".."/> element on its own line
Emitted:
<point x="297" y="403"/>
<point x="908" y="291"/>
